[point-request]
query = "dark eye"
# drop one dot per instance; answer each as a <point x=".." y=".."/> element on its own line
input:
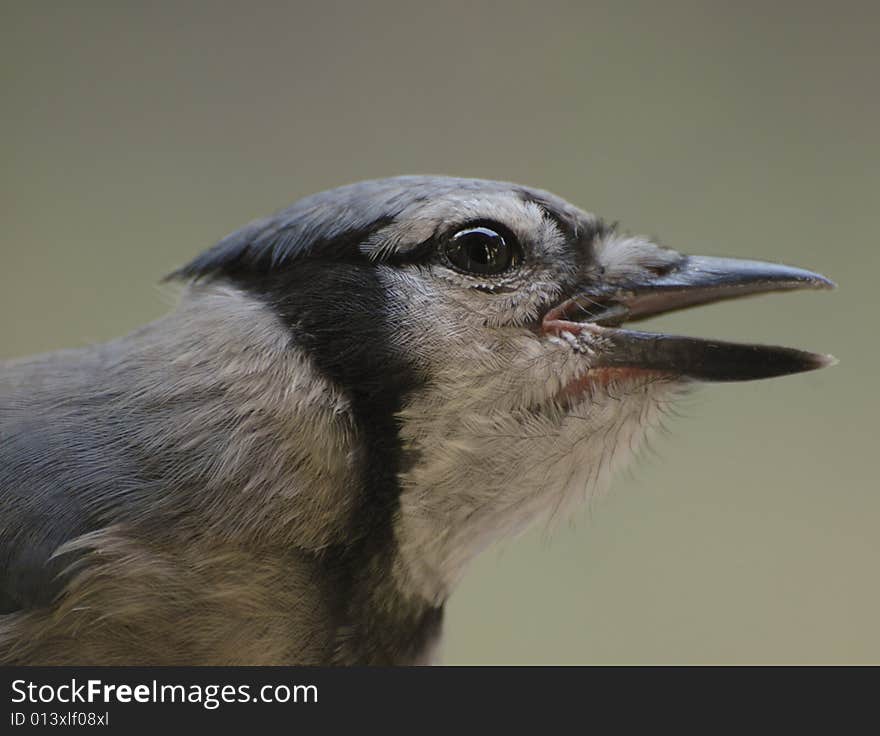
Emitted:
<point x="483" y="251"/>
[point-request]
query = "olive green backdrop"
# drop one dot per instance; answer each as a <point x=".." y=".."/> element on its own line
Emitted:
<point x="133" y="135"/>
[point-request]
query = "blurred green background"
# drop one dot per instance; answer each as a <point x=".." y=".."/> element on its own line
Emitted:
<point x="134" y="135"/>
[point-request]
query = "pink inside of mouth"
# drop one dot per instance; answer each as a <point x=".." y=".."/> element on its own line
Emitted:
<point x="603" y="376"/>
<point x="599" y="376"/>
<point x="554" y="321"/>
<point x="553" y="327"/>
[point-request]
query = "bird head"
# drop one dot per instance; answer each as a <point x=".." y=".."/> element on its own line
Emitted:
<point x="481" y="332"/>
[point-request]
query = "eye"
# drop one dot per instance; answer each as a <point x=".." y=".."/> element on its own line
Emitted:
<point x="483" y="251"/>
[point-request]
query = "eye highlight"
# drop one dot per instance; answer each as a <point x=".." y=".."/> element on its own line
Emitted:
<point x="483" y="251"/>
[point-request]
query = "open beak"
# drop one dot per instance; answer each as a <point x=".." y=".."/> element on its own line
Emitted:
<point x="597" y="313"/>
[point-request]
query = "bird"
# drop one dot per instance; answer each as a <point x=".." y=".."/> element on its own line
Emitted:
<point x="352" y="399"/>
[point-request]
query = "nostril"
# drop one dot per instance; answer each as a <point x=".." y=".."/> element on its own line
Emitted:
<point x="659" y="269"/>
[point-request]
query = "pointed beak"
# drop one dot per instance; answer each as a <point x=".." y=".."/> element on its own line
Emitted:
<point x="595" y="316"/>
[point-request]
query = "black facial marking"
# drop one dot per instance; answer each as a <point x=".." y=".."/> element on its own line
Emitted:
<point x="339" y="313"/>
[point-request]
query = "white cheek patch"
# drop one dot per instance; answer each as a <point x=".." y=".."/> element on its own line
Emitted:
<point x="497" y="451"/>
<point x="515" y="299"/>
<point x="499" y="436"/>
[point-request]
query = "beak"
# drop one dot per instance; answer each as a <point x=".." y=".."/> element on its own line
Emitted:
<point x="595" y="316"/>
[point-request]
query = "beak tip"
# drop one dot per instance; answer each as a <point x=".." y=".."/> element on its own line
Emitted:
<point x="823" y="282"/>
<point x="825" y="360"/>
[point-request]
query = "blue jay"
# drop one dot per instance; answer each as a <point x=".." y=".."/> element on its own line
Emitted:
<point x="354" y="397"/>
